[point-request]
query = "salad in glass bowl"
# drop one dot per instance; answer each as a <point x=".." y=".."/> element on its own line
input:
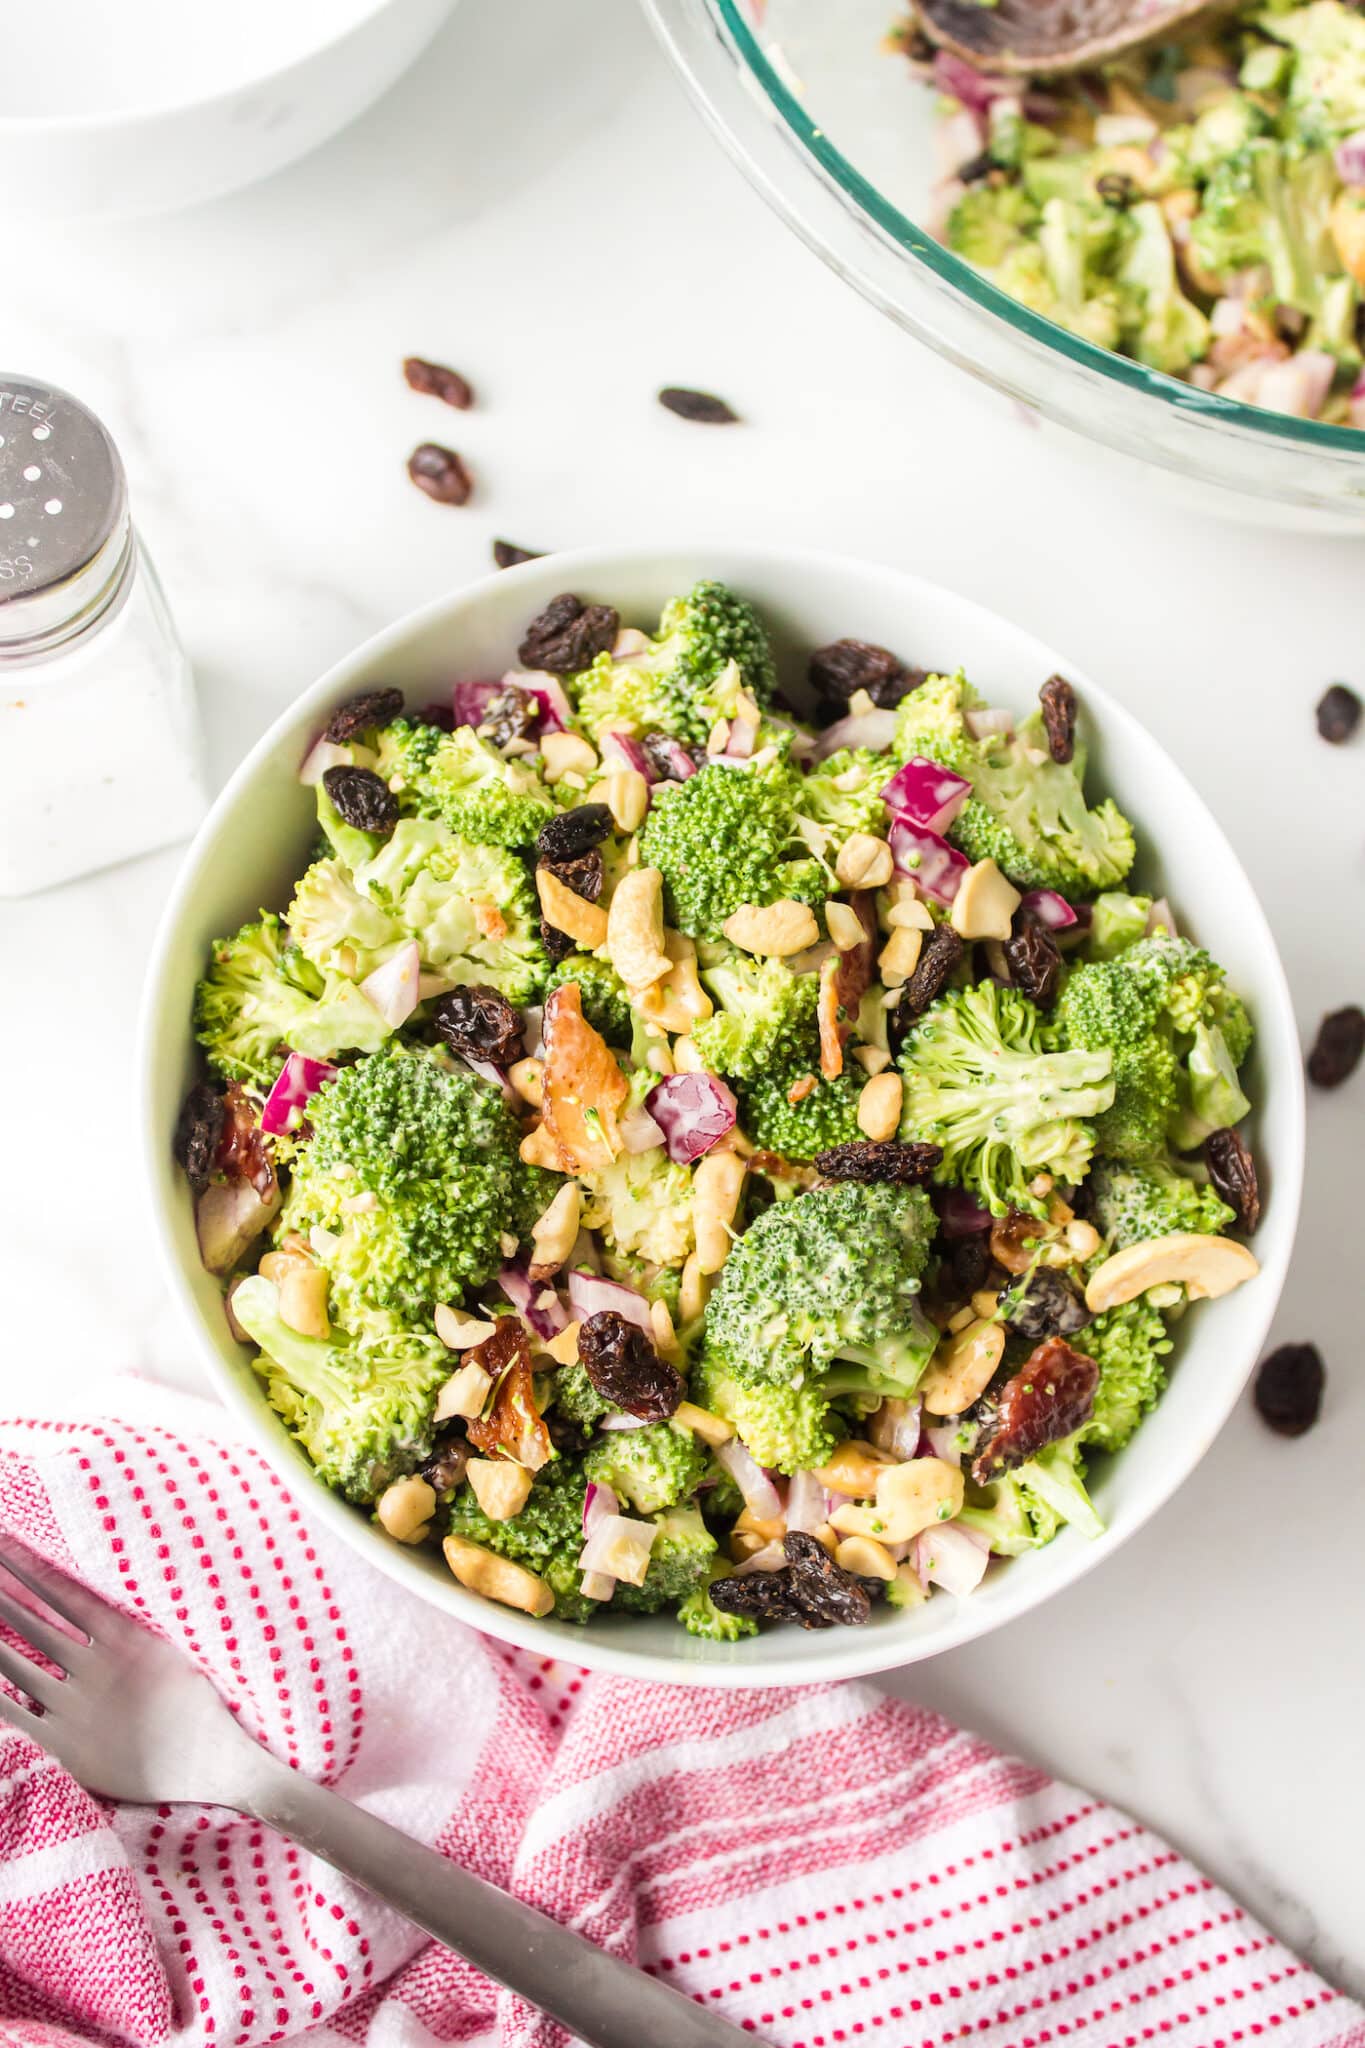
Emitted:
<point x="675" y="1155"/>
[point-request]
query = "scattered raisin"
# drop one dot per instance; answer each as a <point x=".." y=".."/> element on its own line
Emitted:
<point x="823" y="1587"/>
<point x="1289" y="1388"/>
<point x="513" y="1423"/>
<point x="573" y="832"/>
<point x="479" y="1022"/>
<point x="1290" y="323"/>
<point x="1338" y="714"/>
<point x="1058" y="700"/>
<point x="759" y="1596"/>
<point x="584" y="874"/>
<point x="1014" y="1238"/>
<point x="1116" y="188"/>
<point x="197" y="1134"/>
<point x="976" y="169"/>
<point x="884" y="1159"/>
<point x="568" y="635"/>
<point x="440" y="473"/>
<point x="1233" y="1173"/>
<point x="971" y="1261"/>
<point x="506" y="554"/>
<point x="445" y="1468"/>
<point x="1045" y="1304"/>
<point x="1339" y="1045"/>
<point x="558" y="945"/>
<point x="362" y="799"/>
<point x="1035" y="964"/>
<point x="243" y="1148"/>
<point x="839" y="671"/>
<point x="1049" y="1398"/>
<point x="702" y="406"/>
<point x="938" y="956"/>
<point x="358" y="714"/>
<point x="669" y="757"/>
<point x="510" y="714"/>
<point x="434" y="380"/>
<point x="625" y="1368"/>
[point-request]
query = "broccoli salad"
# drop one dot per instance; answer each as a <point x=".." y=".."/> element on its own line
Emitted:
<point x="1198" y="205"/>
<point x="676" y="1155"/>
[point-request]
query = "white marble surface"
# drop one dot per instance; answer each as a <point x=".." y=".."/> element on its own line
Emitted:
<point x="538" y="205"/>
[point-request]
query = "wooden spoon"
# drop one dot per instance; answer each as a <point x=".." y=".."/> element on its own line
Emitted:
<point x="1044" y="38"/>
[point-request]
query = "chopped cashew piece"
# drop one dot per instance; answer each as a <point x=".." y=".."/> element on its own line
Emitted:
<point x="525" y="1077"/>
<point x="458" y="1330"/>
<point x="538" y="1148"/>
<point x="772" y="930"/>
<point x="879" y="1106"/>
<point x="985" y="903"/>
<point x="554" y="1232"/>
<point x="303" y="1298"/>
<point x="497" y="1578"/>
<point x="693" y="1290"/>
<point x="500" y="1487"/>
<point x="625" y="793"/>
<point x="900" y="955"/>
<point x="464" y="1393"/>
<point x="584" y="922"/>
<point x="678" y="1000"/>
<point x="910" y="1498"/>
<point x="962" y="1367"/>
<point x="1204" y="1266"/>
<point x="985" y="1303"/>
<point x="865" y="1556"/>
<point x="854" y="1469"/>
<point x="635" y="928"/>
<point x="844" y="925"/>
<point x="712" y="1429"/>
<point x="906" y="912"/>
<point x="566" y="753"/>
<point x="771" y="1528"/>
<point x="743" y="1543"/>
<point x="661" y="1323"/>
<point x="1082" y="1240"/>
<point x="864" y="862"/>
<point x="563" y="1347"/>
<point x="872" y="1058"/>
<point x="717" y="1184"/>
<point x="405" y="1509"/>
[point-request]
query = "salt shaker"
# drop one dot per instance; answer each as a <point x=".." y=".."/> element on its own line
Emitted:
<point x="99" y="741"/>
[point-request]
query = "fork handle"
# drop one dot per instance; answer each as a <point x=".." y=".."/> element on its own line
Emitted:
<point x="601" y="2000"/>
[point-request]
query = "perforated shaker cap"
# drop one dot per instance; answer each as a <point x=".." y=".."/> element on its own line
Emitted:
<point x="65" y="541"/>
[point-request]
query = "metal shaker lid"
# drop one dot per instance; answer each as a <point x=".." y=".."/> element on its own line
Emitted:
<point x="65" y="541"/>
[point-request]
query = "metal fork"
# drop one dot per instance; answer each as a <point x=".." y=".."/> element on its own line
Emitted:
<point x="131" y="1719"/>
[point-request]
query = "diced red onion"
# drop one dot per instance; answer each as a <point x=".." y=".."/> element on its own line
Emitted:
<point x="770" y="1558"/>
<point x="618" y="1540"/>
<point x="599" y="1500"/>
<point x="873" y="729"/>
<point x="1045" y="906"/>
<point x="761" y="1497"/>
<point x="960" y="1214"/>
<point x="1300" y="385"/>
<point x="297" y="1080"/>
<point x="1161" y="918"/>
<point x="470" y="700"/>
<point x="1349" y="157"/>
<point x="814" y="957"/>
<point x="962" y="81"/>
<point x="622" y="1421"/>
<point x="942" y="1442"/>
<point x="680" y="762"/>
<point x="496" y="1077"/>
<point x="623" y="746"/>
<point x="957" y="139"/>
<point x="988" y="721"/>
<point x="597" y="1585"/>
<point x="629" y="644"/>
<point x="532" y="1029"/>
<point x="556" y="713"/>
<point x="692" y="1112"/>
<point x="740" y="743"/>
<point x="322" y="755"/>
<point x="547" y="1317"/>
<point x="926" y="794"/>
<point x="392" y="988"/>
<point x="952" y="1558"/>
<point x="935" y="867"/>
<point x="639" y="1132"/>
<point x="590" y="1295"/>
<point x="806" y="1508"/>
<point x="896" y="1428"/>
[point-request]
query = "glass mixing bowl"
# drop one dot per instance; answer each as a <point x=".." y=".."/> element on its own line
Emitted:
<point x="837" y="136"/>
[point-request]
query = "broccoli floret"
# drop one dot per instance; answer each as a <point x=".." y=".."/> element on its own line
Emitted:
<point x="824" y="1115"/>
<point x="1161" y="327"/>
<point x="363" y="1414"/>
<point x="1117" y="922"/>
<point x="989" y="221"/>
<point x="546" y="1536"/>
<point x="1271" y="203"/>
<point x="261" y="996"/>
<point x="1326" y="88"/>
<point x="681" y="1563"/>
<point x="787" y="1428"/>
<point x="336" y="924"/>
<point x="653" y="1468"/>
<point x="1132" y="1201"/>
<point x="710" y="645"/>
<point x="701" y="1617"/>
<point x="989" y="1080"/>
<point x="471" y="908"/>
<point x="723" y="838"/>
<point x="1129" y="1344"/>
<point x="642" y="1204"/>
<point x="576" y="1398"/>
<point x="1027" y="812"/>
<point x="605" y="999"/>
<point x="466" y="783"/>
<point x="828" y="1284"/>
<point x="1026" y="1507"/>
<point x="438" y="1150"/>
<point x="764" y="1013"/>
<point x="843" y="795"/>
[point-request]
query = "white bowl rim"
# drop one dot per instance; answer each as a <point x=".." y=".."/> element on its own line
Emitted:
<point x="862" y="1654"/>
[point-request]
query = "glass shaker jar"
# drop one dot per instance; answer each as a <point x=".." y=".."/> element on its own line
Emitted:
<point x="99" y="740"/>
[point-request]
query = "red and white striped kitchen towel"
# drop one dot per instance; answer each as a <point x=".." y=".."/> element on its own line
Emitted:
<point x="829" y="1866"/>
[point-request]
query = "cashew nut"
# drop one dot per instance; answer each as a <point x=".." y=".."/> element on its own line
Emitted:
<point x="771" y="1528"/>
<point x="879" y="1106"/>
<point x="464" y="1393"/>
<point x="555" y="1230"/>
<point x="500" y="1487"/>
<point x="873" y="1059"/>
<point x="584" y="922"/>
<point x="563" y="1347"/>
<point x="678" y="1000"/>
<point x="1204" y="1266"/>
<point x="527" y="1078"/>
<point x="458" y="1330"/>
<point x="538" y="1148"/>
<point x="853" y="1468"/>
<point x="962" y="1368"/>
<point x="405" y="1509"/>
<point x="717" y="1185"/>
<point x="900" y="955"/>
<point x="985" y="903"/>
<point x="497" y="1578"/>
<point x="693" y="1290"/>
<point x="844" y="925"/>
<point x="635" y="928"/>
<point x="565" y="753"/>
<point x="773" y="930"/>
<point x="865" y="1556"/>
<point x="661" y="1323"/>
<point x="864" y="862"/>
<point x="625" y="793"/>
<point x="303" y="1298"/>
<point x="910" y="1498"/>
<point x="905" y="909"/>
<point x="712" y="1429"/>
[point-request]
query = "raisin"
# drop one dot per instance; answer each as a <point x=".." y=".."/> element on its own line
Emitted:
<point x="884" y="1159"/>
<point x="506" y="554"/>
<point x="1338" y="714"/>
<point x="823" y="1587"/>
<point x="445" y="1468"/>
<point x="197" y="1133"/>
<point x="1290" y="323"/>
<point x="558" y="945"/>
<point x="759" y="1596"/>
<point x="1058" y="700"/>
<point x="434" y="380"/>
<point x="938" y="956"/>
<point x="362" y="799"/>
<point x="479" y="1022"/>
<point x="1115" y="188"/>
<point x="1044" y="1305"/>
<point x="1339" y="1045"/>
<point x="441" y="473"/>
<point x="1049" y="1398"/>
<point x="510" y="714"/>
<point x="669" y="758"/>
<point x="512" y="1423"/>
<point x="702" y="406"/>
<point x="625" y="1368"/>
<point x="839" y="671"/>
<point x="359" y="714"/>
<point x="583" y="875"/>
<point x="568" y="635"/>
<point x="971" y="1261"/>
<point x="1035" y="964"/>
<point x="1233" y="1173"/>
<point x="1014" y="1239"/>
<point x="572" y="833"/>
<point x="243" y="1148"/>
<point x="1289" y="1388"/>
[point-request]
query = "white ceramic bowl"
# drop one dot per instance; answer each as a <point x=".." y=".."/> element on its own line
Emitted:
<point x="109" y="110"/>
<point x="256" y="840"/>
